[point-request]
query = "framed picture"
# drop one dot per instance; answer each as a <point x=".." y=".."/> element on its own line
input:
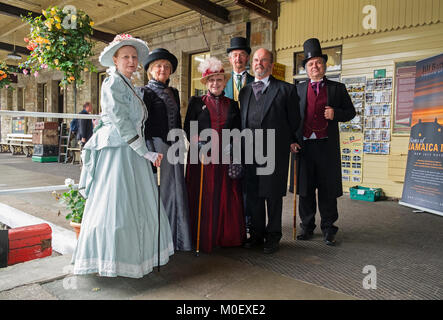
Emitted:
<point x="332" y="65"/>
<point x="19" y="125"/>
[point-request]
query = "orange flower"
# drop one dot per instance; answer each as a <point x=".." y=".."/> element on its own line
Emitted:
<point x="31" y="46"/>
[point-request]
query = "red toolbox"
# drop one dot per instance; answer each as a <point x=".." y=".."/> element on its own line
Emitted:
<point x="28" y="243"/>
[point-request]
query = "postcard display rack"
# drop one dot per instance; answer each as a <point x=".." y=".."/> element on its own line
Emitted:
<point x="351" y="133"/>
<point x="369" y="132"/>
<point x="377" y="116"/>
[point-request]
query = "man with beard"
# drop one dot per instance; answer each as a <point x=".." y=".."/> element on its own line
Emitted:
<point x="268" y="104"/>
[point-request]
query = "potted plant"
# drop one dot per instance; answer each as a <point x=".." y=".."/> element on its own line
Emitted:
<point x="74" y="202"/>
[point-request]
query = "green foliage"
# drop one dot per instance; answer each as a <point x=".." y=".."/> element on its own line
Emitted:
<point x="61" y="41"/>
<point x="73" y="201"/>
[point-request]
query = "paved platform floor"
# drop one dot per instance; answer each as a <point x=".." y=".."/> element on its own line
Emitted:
<point x="185" y="277"/>
<point x="402" y="247"/>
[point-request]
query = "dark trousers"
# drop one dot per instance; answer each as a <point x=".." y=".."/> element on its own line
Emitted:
<point x="315" y="165"/>
<point x="256" y="208"/>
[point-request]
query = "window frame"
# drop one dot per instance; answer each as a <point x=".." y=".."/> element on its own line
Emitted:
<point x="191" y="87"/>
<point x="299" y="57"/>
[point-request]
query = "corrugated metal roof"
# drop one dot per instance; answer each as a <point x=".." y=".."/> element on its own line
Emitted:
<point x="112" y="16"/>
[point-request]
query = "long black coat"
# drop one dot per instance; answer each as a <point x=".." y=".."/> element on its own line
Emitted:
<point x="85" y="128"/>
<point x="281" y="112"/>
<point x="157" y="123"/>
<point x="339" y="100"/>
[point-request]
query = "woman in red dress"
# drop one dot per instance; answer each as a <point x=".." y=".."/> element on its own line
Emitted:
<point x="222" y="220"/>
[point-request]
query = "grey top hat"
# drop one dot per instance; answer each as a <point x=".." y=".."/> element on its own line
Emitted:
<point x="158" y="54"/>
<point x="312" y="49"/>
<point x="239" y="43"/>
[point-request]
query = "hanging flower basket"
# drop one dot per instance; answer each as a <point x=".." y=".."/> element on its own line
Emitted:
<point x="60" y="40"/>
<point x="5" y="75"/>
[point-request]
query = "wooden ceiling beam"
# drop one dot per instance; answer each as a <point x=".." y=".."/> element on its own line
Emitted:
<point x="13" y="11"/>
<point x="9" y="47"/>
<point x="128" y="11"/>
<point x="9" y="10"/>
<point x="19" y="26"/>
<point x="207" y="8"/>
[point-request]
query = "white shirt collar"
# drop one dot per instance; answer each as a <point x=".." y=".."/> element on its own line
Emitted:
<point x="264" y="80"/>
<point x="241" y="73"/>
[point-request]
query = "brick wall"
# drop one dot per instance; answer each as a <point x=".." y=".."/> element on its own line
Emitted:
<point x="207" y="35"/>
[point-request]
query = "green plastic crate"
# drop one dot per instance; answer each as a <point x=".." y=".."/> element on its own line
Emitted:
<point x="365" y="194"/>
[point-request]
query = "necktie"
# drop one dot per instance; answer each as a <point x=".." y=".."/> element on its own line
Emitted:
<point x="239" y="82"/>
<point x="316" y="87"/>
<point x="257" y="87"/>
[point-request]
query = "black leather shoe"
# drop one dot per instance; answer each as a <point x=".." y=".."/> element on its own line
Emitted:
<point x="252" y="242"/>
<point x="305" y="235"/>
<point x="330" y="239"/>
<point x="270" y="247"/>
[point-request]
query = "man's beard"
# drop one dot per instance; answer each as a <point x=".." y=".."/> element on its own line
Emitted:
<point x="262" y="72"/>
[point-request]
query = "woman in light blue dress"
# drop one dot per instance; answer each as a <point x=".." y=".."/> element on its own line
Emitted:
<point x="119" y="233"/>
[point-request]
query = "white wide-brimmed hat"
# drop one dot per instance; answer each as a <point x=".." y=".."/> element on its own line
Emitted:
<point x="210" y="67"/>
<point x="119" y="41"/>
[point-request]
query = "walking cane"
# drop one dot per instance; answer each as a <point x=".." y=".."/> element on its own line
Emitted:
<point x="158" y="248"/>
<point x="199" y="207"/>
<point x="294" y="228"/>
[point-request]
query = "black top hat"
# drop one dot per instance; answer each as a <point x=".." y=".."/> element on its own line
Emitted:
<point x="312" y="49"/>
<point x="158" y="54"/>
<point x="239" y="43"/>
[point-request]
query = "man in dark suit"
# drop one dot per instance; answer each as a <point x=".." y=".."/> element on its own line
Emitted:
<point x="238" y="52"/>
<point x="268" y="104"/>
<point x="85" y="127"/>
<point x="323" y="103"/>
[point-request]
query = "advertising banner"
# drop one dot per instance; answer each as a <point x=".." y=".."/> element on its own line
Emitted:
<point x="423" y="186"/>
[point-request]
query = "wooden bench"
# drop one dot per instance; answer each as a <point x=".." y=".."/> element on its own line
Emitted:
<point x="18" y="144"/>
